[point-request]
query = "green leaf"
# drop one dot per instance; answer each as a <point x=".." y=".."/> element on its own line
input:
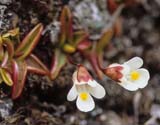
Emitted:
<point x="19" y="85"/>
<point x="11" y="33"/>
<point x="58" y="61"/>
<point x="36" y="66"/>
<point x="104" y="40"/>
<point x="10" y="47"/>
<point x="1" y="52"/>
<point x="6" y="77"/>
<point x="29" y="42"/>
<point x="5" y="59"/>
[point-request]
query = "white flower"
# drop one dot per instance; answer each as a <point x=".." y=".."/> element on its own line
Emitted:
<point x="83" y="89"/>
<point x="130" y="75"/>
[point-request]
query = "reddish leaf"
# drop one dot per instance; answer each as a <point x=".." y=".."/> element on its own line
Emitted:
<point x="58" y="61"/>
<point x="29" y="42"/>
<point x="118" y="27"/>
<point x="132" y="2"/>
<point x="86" y="44"/>
<point x="18" y="86"/>
<point x="15" y="71"/>
<point x="95" y="61"/>
<point x="66" y="25"/>
<point x="112" y="5"/>
<point x="35" y="65"/>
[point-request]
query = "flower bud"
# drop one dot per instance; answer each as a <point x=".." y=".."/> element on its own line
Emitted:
<point x="113" y="72"/>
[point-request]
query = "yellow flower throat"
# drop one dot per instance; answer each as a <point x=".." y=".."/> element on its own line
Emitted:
<point x="135" y="75"/>
<point x="84" y="96"/>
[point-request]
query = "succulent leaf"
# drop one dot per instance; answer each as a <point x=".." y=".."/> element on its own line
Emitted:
<point x="29" y="42"/>
<point x="79" y="37"/>
<point x="36" y="66"/>
<point x="58" y="61"/>
<point x="6" y="77"/>
<point x="19" y="85"/>
<point x="104" y="40"/>
<point x="66" y="25"/>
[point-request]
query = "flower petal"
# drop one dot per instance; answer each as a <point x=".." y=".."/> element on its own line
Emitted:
<point x="134" y="63"/>
<point x="125" y="70"/>
<point x="144" y="77"/>
<point x="98" y="91"/>
<point x="85" y="106"/>
<point x="140" y="83"/>
<point x="92" y="83"/>
<point x="129" y="85"/>
<point x="72" y="94"/>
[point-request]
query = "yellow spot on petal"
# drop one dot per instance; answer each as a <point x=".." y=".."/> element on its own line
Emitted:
<point x="84" y="96"/>
<point x="135" y="75"/>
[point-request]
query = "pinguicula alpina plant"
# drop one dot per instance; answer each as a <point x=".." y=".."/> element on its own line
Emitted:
<point x="17" y="61"/>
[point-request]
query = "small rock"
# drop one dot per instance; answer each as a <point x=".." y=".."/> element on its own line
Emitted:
<point x="5" y="107"/>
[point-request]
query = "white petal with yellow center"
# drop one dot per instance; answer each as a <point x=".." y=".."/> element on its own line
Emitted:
<point x="84" y="96"/>
<point x="98" y="91"/>
<point x="143" y="79"/>
<point x="129" y="85"/>
<point x="134" y="63"/>
<point x="134" y="75"/>
<point x="136" y="79"/>
<point x="72" y="95"/>
<point x="85" y="102"/>
<point x="92" y="83"/>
